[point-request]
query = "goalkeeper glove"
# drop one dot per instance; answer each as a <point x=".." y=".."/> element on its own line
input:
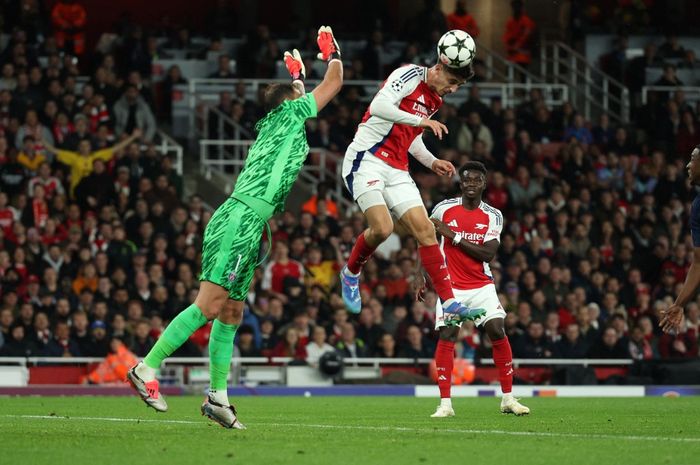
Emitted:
<point x="327" y="44"/>
<point x="295" y="65"/>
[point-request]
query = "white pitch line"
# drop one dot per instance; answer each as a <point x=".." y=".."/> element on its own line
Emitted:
<point x="122" y="420"/>
<point x="378" y="428"/>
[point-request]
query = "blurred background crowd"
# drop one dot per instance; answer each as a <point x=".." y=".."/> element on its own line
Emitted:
<point x="98" y="239"/>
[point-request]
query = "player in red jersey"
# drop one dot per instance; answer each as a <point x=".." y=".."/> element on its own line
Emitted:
<point x="375" y="171"/>
<point x="471" y="232"/>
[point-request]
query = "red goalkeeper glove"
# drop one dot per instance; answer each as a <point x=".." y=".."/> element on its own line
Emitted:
<point x="295" y="65"/>
<point x="327" y="44"/>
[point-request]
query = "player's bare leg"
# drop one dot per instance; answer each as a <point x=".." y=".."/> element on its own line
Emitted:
<point x="422" y="229"/>
<point x="216" y="406"/>
<point x="380" y="227"/>
<point x="444" y="361"/>
<point x="503" y="358"/>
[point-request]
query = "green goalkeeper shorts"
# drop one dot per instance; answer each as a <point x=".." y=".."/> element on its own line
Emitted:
<point x="231" y="248"/>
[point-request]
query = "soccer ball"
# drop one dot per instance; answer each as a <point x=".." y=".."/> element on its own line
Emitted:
<point x="456" y="49"/>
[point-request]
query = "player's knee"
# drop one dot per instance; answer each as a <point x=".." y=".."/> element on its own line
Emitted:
<point x="495" y="331"/>
<point x="212" y="308"/>
<point x="449" y="334"/>
<point x="425" y="233"/>
<point x="381" y="231"/>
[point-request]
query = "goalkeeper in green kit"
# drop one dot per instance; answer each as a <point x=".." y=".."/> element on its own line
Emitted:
<point x="232" y="237"/>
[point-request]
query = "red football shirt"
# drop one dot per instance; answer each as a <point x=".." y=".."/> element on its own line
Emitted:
<point x="480" y="225"/>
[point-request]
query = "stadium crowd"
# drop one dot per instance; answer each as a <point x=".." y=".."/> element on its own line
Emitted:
<point x="97" y="241"/>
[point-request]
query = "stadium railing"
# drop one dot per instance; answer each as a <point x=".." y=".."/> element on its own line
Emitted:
<point x="190" y="99"/>
<point x="167" y="146"/>
<point x="692" y="93"/>
<point x="251" y="371"/>
<point x="591" y="88"/>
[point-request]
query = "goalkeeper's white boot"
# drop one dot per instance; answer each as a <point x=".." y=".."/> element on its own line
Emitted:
<point x="443" y="412"/>
<point x="510" y="404"/>
<point x="225" y="415"/>
<point x="142" y="379"/>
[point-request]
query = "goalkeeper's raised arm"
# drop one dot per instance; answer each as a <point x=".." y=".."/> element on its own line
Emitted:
<point x="332" y="81"/>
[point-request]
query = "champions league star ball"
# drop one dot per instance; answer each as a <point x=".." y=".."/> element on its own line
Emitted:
<point x="456" y="49"/>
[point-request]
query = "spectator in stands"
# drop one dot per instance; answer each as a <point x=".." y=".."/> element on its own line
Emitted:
<point x="246" y="342"/>
<point x="368" y="330"/>
<point x="29" y="157"/>
<point x="132" y="113"/>
<point x="173" y="78"/>
<point x="416" y="345"/>
<point x="280" y="267"/>
<point x="672" y="48"/>
<point x="519" y="35"/>
<point x="142" y="341"/>
<point x="290" y="346"/>
<point x="386" y="348"/>
<point x="571" y="345"/>
<point x="69" y="19"/>
<point x="533" y="344"/>
<point x="317" y="346"/>
<point x="17" y="344"/>
<point x="609" y="346"/>
<point x="61" y="345"/>
<point x="82" y="161"/>
<point x="462" y="19"/>
<point x="471" y="132"/>
<point x="349" y="346"/>
<point x="579" y="131"/>
<point x="669" y="77"/>
<point x="322" y="195"/>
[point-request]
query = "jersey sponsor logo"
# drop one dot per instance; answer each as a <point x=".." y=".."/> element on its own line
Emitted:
<point x="421" y="99"/>
<point x="372" y="182"/>
<point x="420" y="110"/>
<point x="473" y="237"/>
<point x="480" y="226"/>
<point x="453" y="223"/>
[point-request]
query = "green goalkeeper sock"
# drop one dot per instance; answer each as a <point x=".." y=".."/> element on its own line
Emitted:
<point x="177" y="332"/>
<point x="220" y="353"/>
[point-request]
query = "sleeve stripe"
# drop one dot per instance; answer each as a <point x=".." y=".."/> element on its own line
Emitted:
<point x="495" y="212"/>
<point x="405" y="76"/>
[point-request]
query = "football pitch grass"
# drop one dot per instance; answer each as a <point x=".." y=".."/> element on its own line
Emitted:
<point x="350" y="430"/>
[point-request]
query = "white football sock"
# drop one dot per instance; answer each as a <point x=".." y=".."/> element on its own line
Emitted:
<point x="446" y="402"/>
<point x="220" y="397"/>
<point x="145" y="372"/>
<point x="506" y="396"/>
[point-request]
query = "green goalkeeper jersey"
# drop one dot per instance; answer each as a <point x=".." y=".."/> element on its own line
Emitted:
<point x="276" y="157"/>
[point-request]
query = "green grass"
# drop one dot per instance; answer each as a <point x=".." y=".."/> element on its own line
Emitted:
<point x="351" y="430"/>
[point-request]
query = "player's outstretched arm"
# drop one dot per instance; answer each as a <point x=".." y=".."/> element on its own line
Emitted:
<point x="421" y="153"/>
<point x="333" y="79"/>
<point x="672" y="317"/>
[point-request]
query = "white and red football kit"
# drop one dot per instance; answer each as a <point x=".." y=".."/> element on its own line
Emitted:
<point x="472" y="281"/>
<point x="377" y="158"/>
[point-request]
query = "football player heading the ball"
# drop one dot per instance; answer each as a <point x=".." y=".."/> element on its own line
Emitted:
<point x="232" y="237"/>
<point x="375" y="168"/>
